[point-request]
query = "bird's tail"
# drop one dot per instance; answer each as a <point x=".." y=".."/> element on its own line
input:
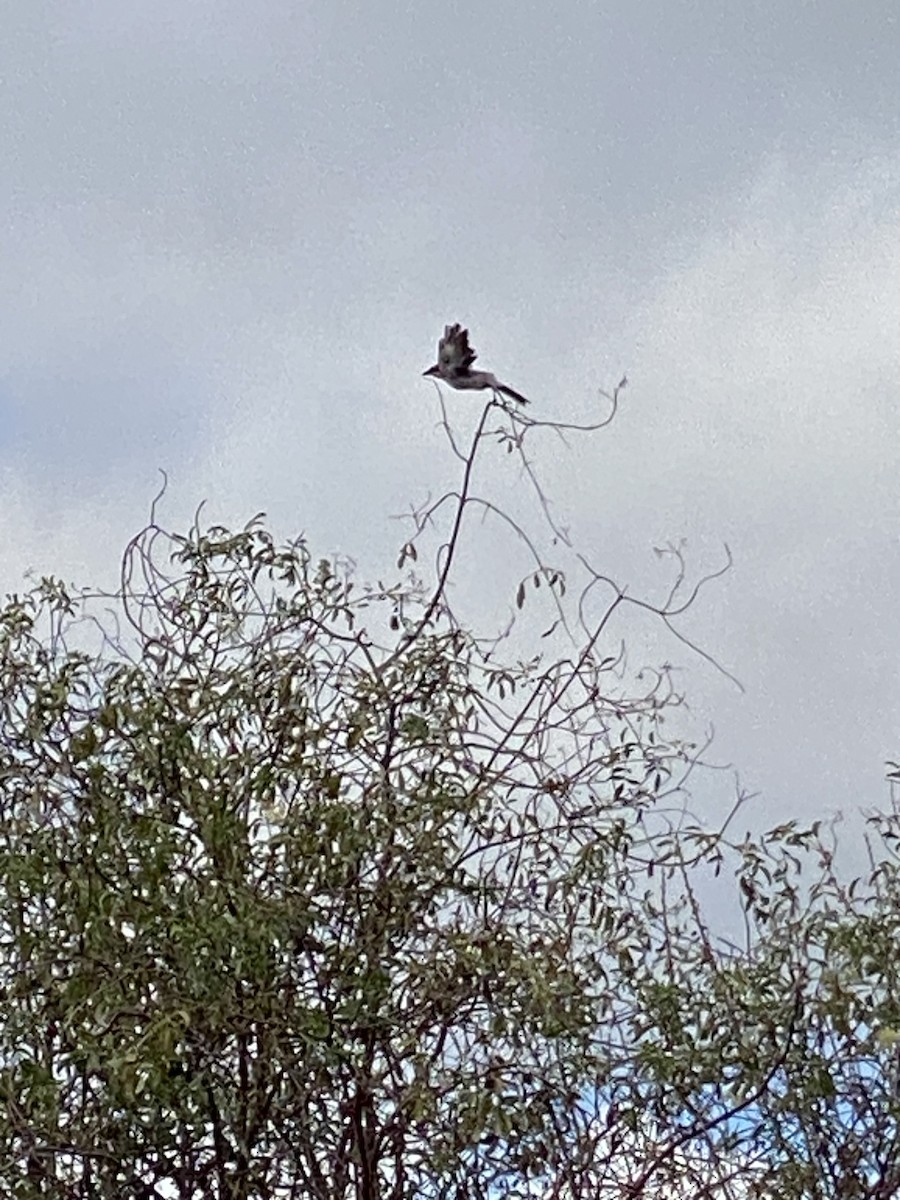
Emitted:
<point x="508" y="391"/>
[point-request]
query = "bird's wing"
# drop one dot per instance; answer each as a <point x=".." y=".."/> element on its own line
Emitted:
<point x="454" y="352"/>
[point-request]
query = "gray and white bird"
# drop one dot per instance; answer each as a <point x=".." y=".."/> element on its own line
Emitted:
<point x="454" y="366"/>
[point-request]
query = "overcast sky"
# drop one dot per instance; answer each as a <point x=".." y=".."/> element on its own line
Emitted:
<point x="232" y="233"/>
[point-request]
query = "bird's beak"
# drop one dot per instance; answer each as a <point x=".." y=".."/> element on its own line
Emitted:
<point x="432" y="370"/>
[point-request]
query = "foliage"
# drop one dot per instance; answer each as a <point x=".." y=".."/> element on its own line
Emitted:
<point x="312" y="892"/>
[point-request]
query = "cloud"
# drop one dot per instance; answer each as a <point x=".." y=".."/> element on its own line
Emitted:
<point x="231" y="243"/>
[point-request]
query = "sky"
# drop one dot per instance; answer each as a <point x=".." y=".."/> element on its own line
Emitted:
<point x="232" y="234"/>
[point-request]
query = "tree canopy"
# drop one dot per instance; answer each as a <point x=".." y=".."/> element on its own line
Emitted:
<point x="311" y="889"/>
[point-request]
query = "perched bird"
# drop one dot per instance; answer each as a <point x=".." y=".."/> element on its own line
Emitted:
<point x="454" y="365"/>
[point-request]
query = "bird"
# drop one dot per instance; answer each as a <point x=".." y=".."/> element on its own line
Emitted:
<point x="454" y="366"/>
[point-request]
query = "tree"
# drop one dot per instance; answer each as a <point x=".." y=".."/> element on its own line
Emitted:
<point x="313" y="892"/>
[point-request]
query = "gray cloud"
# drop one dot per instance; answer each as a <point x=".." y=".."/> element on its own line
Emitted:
<point x="231" y="238"/>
